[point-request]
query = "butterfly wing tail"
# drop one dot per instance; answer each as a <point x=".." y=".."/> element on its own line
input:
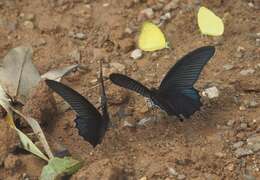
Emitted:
<point x="88" y="120"/>
<point x="128" y="83"/>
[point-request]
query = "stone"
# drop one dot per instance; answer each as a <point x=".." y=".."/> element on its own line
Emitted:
<point x="118" y="67"/>
<point x="181" y="177"/>
<point x="146" y="13"/>
<point x="238" y="144"/>
<point x="136" y="54"/>
<point x="240" y="152"/>
<point x="228" y="67"/>
<point x="246" y="72"/>
<point x="211" y="92"/>
<point x="28" y="24"/>
<point x="173" y="172"/>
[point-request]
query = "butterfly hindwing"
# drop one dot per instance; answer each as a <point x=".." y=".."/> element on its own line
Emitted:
<point x="126" y="82"/>
<point x="186" y="71"/>
<point x="89" y="120"/>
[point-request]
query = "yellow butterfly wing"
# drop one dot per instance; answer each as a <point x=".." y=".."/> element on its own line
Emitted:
<point x="151" y="38"/>
<point x="209" y="23"/>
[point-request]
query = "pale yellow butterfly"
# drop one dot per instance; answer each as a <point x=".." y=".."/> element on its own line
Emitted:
<point x="209" y="23"/>
<point x="151" y="38"/>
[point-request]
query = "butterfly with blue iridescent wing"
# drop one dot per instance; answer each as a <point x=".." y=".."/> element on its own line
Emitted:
<point x="176" y="94"/>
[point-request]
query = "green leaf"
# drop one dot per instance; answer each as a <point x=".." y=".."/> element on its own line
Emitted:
<point x="29" y="145"/>
<point x="58" y="167"/>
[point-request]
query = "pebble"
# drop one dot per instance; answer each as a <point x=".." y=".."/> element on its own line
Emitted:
<point x="247" y="71"/>
<point x="252" y="104"/>
<point x="249" y="177"/>
<point x="243" y="126"/>
<point x="238" y="144"/>
<point x="144" y="121"/>
<point x="253" y="143"/>
<point x="240" y="152"/>
<point x="240" y="52"/>
<point x="127" y="124"/>
<point x="172" y="172"/>
<point x="136" y="54"/>
<point x="231" y="122"/>
<point x="166" y="16"/>
<point x="28" y="24"/>
<point x="146" y="13"/>
<point x="119" y="67"/>
<point x="78" y="35"/>
<point x="228" y="67"/>
<point x="211" y="92"/>
<point x="181" y="177"/>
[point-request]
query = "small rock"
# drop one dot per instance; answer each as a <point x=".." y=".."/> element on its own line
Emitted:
<point x="28" y="24"/>
<point x="253" y="143"/>
<point x="231" y="122"/>
<point x="252" y="104"/>
<point x="247" y="72"/>
<point x="172" y="172"/>
<point x="240" y="52"/>
<point x="220" y="154"/>
<point x="128" y="30"/>
<point x="238" y="144"/>
<point x="75" y="55"/>
<point x="249" y="177"/>
<point x="166" y="16"/>
<point x="80" y="36"/>
<point x="127" y="124"/>
<point x="257" y="42"/>
<point x="119" y="67"/>
<point x="146" y="13"/>
<point x="145" y="121"/>
<point x="243" y="126"/>
<point x="143" y="178"/>
<point x="240" y="152"/>
<point x="228" y="67"/>
<point x="106" y="4"/>
<point x="136" y="54"/>
<point x="211" y="92"/>
<point x="171" y="5"/>
<point x="181" y="177"/>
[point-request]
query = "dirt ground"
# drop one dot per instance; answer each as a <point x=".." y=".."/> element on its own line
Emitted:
<point x="220" y="142"/>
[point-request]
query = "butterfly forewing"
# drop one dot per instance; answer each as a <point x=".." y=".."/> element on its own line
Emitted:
<point x="126" y="82"/>
<point x="186" y="71"/>
<point x="89" y="120"/>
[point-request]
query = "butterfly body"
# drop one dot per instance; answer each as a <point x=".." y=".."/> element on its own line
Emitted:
<point x="176" y="94"/>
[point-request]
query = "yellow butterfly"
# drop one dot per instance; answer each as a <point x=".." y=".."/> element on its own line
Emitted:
<point x="151" y="38"/>
<point x="209" y="23"/>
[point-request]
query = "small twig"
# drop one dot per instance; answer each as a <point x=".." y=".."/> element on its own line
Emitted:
<point x="37" y="131"/>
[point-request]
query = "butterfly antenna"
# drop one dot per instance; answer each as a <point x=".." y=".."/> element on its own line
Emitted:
<point x="103" y="93"/>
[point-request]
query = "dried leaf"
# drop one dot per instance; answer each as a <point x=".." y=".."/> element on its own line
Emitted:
<point x="25" y="141"/>
<point x="28" y="145"/>
<point x="18" y="75"/>
<point x="57" y="74"/>
<point x="59" y="167"/>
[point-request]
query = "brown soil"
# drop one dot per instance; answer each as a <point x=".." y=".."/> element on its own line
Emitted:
<point x="198" y="148"/>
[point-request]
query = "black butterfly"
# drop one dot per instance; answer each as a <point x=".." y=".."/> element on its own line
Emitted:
<point x="91" y="124"/>
<point x="176" y="94"/>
